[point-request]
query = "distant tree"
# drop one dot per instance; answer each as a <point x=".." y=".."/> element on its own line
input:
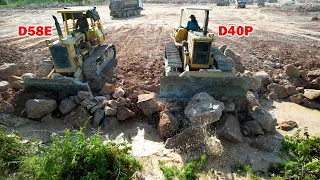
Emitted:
<point x="78" y="1"/>
<point x="3" y="2"/>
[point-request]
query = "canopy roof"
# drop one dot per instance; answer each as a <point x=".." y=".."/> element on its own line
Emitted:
<point x="196" y="8"/>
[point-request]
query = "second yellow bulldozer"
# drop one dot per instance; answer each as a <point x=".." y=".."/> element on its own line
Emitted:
<point x="193" y="64"/>
<point x="77" y="57"/>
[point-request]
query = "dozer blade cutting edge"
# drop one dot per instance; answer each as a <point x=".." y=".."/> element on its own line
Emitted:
<point x="64" y="84"/>
<point x="189" y="83"/>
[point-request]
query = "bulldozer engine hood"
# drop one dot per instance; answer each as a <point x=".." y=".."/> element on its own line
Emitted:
<point x="93" y="13"/>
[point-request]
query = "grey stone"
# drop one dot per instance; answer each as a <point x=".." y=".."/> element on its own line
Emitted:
<point x="297" y="98"/>
<point x="78" y="117"/>
<point x="253" y="127"/>
<point x="261" y="75"/>
<point x="107" y="89"/>
<point x="98" y="116"/>
<point x="262" y="143"/>
<point x="202" y="109"/>
<point x="37" y="108"/>
<point x="8" y="69"/>
<point x="108" y="111"/>
<point x="277" y="91"/>
<point x="232" y="54"/>
<point x="119" y="92"/>
<point x="16" y="82"/>
<point x="266" y="121"/>
<point x="66" y="105"/>
<point x="4" y="86"/>
<point x="147" y="104"/>
<point x="253" y="99"/>
<point x="110" y="123"/>
<point x="124" y="113"/>
<point x="291" y="90"/>
<point x="254" y="83"/>
<point x="113" y="104"/>
<point x="89" y="103"/>
<point x="28" y="75"/>
<point x="229" y="129"/>
<point x="229" y="106"/>
<point x="122" y="101"/>
<point x="8" y="108"/>
<point x="100" y="105"/>
<point x="85" y="95"/>
<point x="292" y="71"/>
<point x="223" y="47"/>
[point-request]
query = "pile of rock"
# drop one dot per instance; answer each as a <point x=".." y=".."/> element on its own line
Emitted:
<point x="109" y="107"/>
<point x="233" y="120"/>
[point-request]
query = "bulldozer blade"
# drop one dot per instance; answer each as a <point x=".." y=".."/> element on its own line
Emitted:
<point x="183" y="88"/>
<point x="65" y="84"/>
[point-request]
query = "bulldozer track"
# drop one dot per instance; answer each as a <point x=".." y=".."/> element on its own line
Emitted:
<point x="173" y="60"/>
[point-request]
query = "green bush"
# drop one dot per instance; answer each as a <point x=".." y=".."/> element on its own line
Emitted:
<point x="303" y="154"/>
<point x="188" y="172"/>
<point x="73" y="156"/>
<point x="3" y="2"/>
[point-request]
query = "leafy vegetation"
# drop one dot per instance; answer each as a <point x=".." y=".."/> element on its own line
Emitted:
<point x="187" y="172"/>
<point x="3" y="2"/>
<point x="303" y="154"/>
<point x="72" y="156"/>
<point x="245" y="170"/>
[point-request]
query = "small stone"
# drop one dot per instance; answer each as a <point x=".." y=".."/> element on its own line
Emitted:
<point x="66" y="105"/>
<point x="8" y="69"/>
<point x="232" y="54"/>
<point x="292" y="71"/>
<point x="300" y="89"/>
<point x="261" y="75"/>
<point x="8" y="108"/>
<point x="77" y="100"/>
<point x="315" y="18"/>
<point x="124" y="113"/>
<point x="314" y="74"/>
<point x="229" y="107"/>
<point x="108" y="111"/>
<point x="113" y="104"/>
<point x="277" y="91"/>
<point x="311" y="94"/>
<point x="297" y="98"/>
<point x="28" y="75"/>
<point x="107" y="89"/>
<point x="253" y="100"/>
<point x="85" y="95"/>
<point x="119" y="92"/>
<point x="100" y="105"/>
<point x="15" y="82"/>
<point x="291" y="90"/>
<point x="287" y="125"/>
<point x="101" y="98"/>
<point x="223" y="47"/>
<point x="4" y="86"/>
<point x="98" y="116"/>
<point x="89" y="103"/>
<point x="122" y="101"/>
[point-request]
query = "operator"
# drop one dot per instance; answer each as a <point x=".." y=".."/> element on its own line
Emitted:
<point x="193" y="24"/>
<point x="83" y="25"/>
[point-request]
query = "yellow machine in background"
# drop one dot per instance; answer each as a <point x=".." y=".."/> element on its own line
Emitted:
<point x="193" y="64"/>
<point x="78" y="56"/>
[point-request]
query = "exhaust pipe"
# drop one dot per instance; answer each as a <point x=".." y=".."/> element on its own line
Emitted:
<point x="58" y="27"/>
<point x="206" y="21"/>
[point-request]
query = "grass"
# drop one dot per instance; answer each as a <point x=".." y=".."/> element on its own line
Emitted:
<point x="187" y="172"/>
<point x="245" y="170"/>
<point x="71" y="156"/>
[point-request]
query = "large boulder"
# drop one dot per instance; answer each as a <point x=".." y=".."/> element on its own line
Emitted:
<point x="277" y="91"/>
<point x="168" y="124"/>
<point x="291" y="71"/>
<point x="66" y="105"/>
<point x="314" y="74"/>
<point x="314" y="84"/>
<point x="203" y="109"/>
<point x="8" y="69"/>
<point x="254" y="83"/>
<point x="190" y="140"/>
<point x="108" y="111"/>
<point x="107" y="89"/>
<point x="100" y="105"/>
<point x="113" y="104"/>
<point x="4" y="86"/>
<point x="147" y="104"/>
<point x="252" y="128"/>
<point x="229" y="129"/>
<point x="89" y="103"/>
<point x="78" y="117"/>
<point x="310" y="104"/>
<point x="82" y="95"/>
<point x="124" y="113"/>
<point x="266" y="121"/>
<point x="37" y="108"/>
<point x="311" y="94"/>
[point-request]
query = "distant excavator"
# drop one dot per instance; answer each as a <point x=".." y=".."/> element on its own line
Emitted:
<point x="193" y="64"/>
<point x="77" y="58"/>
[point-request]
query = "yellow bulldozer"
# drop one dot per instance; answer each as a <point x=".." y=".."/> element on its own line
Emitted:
<point x="77" y="57"/>
<point x="193" y="64"/>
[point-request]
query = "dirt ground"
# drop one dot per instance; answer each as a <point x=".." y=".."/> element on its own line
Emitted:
<point x="281" y="35"/>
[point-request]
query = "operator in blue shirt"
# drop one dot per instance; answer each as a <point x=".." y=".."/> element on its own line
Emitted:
<point x="193" y="24"/>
